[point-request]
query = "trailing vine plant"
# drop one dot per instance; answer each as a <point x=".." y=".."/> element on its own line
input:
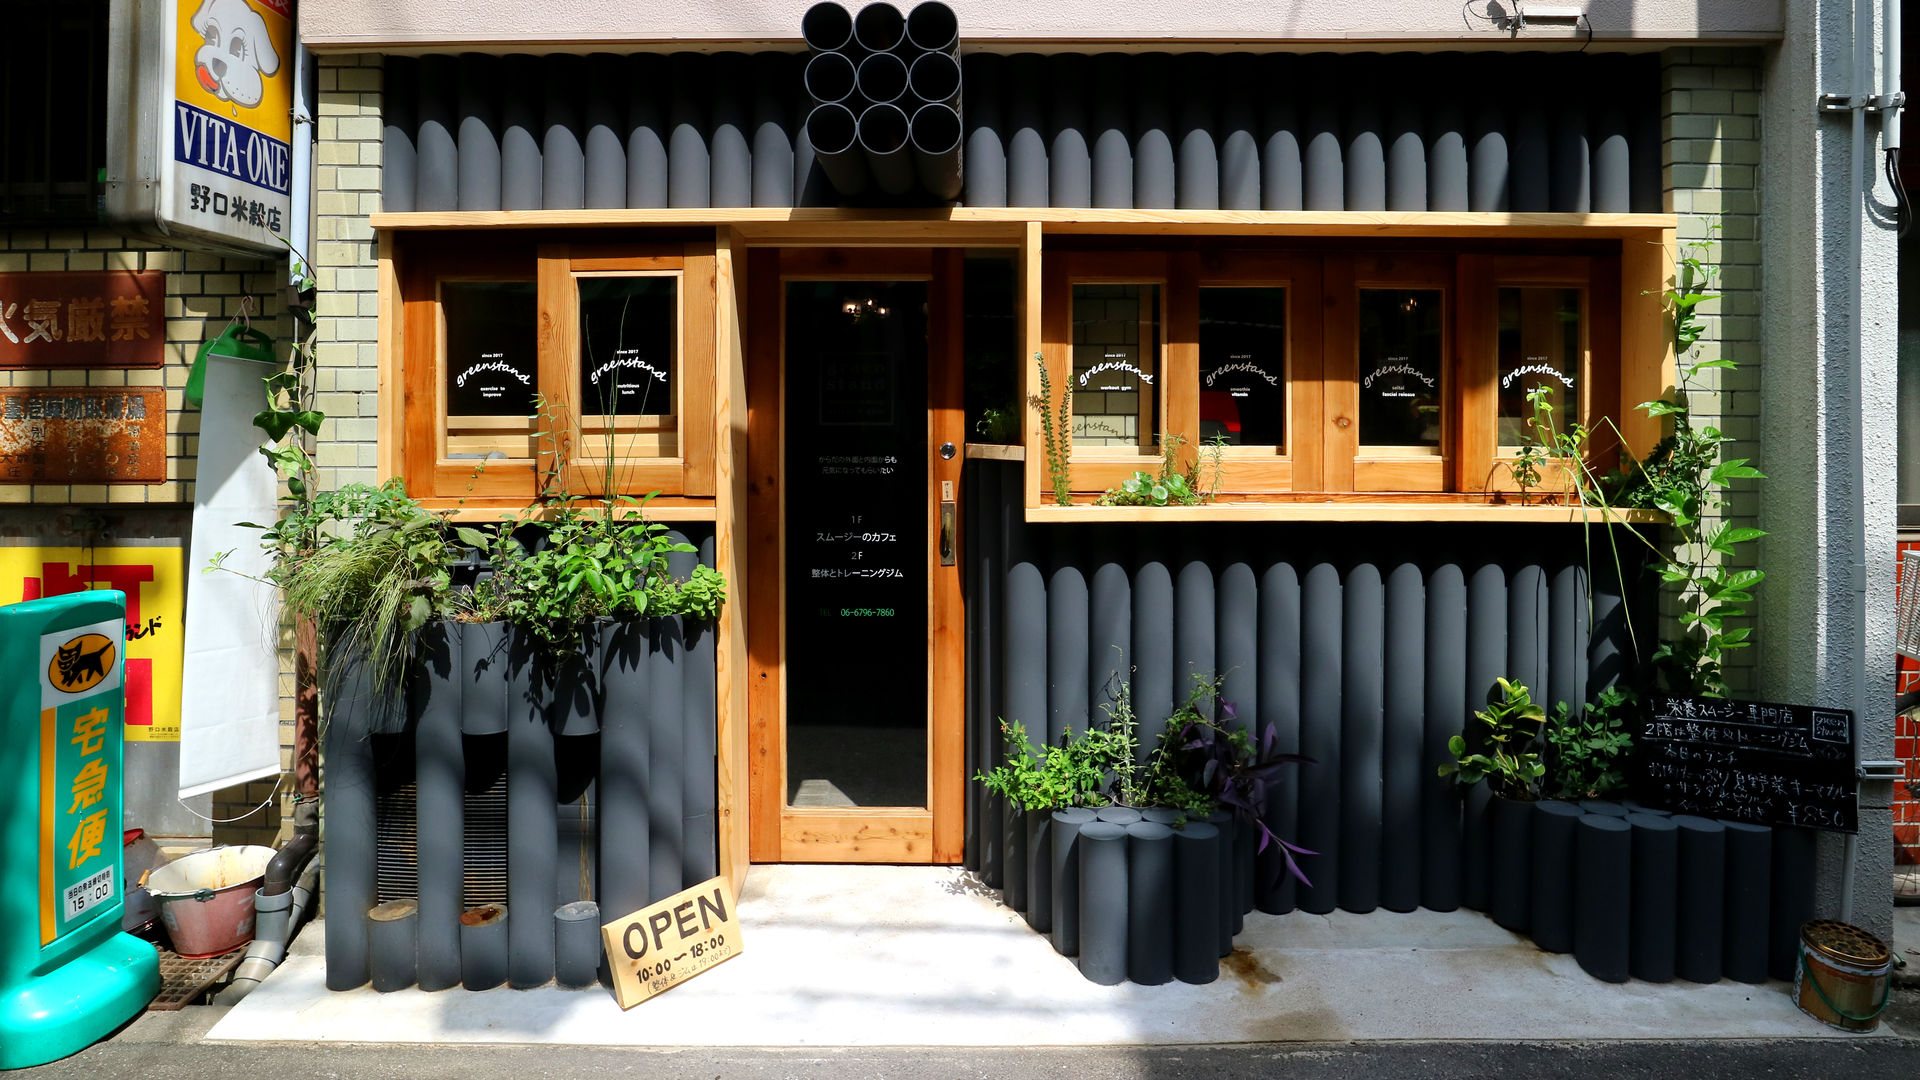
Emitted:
<point x="1056" y="432"/>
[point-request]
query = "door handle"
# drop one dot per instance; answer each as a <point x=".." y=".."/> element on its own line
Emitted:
<point x="946" y="533"/>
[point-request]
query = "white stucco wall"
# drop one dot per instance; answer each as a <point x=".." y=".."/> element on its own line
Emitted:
<point x="1813" y="639"/>
<point x="364" y="23"/>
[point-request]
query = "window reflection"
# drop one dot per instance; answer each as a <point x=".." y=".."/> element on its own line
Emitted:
<point x="1539" y="347"/>
<point x="1243" y="366"/>
<point x="1400" y="369"/>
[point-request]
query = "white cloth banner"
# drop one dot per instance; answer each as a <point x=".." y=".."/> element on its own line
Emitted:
<point x="230" y="689"/>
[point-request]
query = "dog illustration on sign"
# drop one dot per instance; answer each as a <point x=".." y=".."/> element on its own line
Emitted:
<point x="237" y="54"/>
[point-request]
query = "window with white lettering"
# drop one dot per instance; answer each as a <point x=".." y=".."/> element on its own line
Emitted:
<point x="1116" y="365"/>
<point x="1541" y="349"/>
<point x="1243" y="366"/>
<point x="1400" y="368"/>
<point x="627" y="345"/>
<point x="491" y="367"/>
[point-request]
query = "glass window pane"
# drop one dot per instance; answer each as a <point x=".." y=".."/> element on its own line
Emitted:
<point x="627" y="360"/>
<point x="491" y="367"/>
<point x="1539" y="347"/>
<point x="1243" y="366"/>
<point x="1116" y="362"/>
<point x="1400" y="376"/>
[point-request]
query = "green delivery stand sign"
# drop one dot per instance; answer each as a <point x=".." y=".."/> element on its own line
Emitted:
<point x="67" y="974"/>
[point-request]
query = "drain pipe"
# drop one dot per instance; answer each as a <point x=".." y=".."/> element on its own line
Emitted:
<point x="277" y="918"/>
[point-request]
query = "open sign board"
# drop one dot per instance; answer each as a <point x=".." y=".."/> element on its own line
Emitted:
<point x="666" y="943"/>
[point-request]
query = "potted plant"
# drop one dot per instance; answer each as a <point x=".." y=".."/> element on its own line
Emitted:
<point x="1512" y="769"/>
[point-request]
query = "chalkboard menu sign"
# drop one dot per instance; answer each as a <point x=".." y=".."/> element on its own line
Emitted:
<point x="1749" y="761"/>
<point x="491" y="364"/>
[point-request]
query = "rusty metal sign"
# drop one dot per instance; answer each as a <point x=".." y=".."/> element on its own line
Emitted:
<point x="83" y="319"/>
<point x="75" y="435"/>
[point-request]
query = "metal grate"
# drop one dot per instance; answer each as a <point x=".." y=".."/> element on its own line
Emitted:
<point x="53" y="110"/>
<point x="183" y="978"/>
<point x="396" y="827"/>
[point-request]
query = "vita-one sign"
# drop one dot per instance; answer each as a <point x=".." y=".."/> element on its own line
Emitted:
<point x="666" y="943"/>
<point x="207" y="152"/>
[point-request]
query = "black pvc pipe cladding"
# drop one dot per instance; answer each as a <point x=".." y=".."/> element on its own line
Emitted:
<point x="933" y="27"/>
<point x="483" y="947"/>
<point x="1118" y="815"/>
<point x="1149" y="903"/>
<point x="1013" y="874"/>
<point x="1103" y="902"/>
<point x="879" y="26"/>
<point x="576" y="933"/>
<point x="1228" y="923"/>
<point x="1743" y="951"/>
<point x="392" y="945"/>
<point x="834" y="134"/>
<point x="826" y="25"/>
<point x="1792" y="900"/>
<point x="883" y="137"/>
<point x="1039" y="826"/>
<point x="351" y="866"/>
<point x="440" y="812"/>
<point x="532" y="815"/>
<point x="1603" y="870"/>
<point x="1656" y="858"/>
<point x="1703" y="885"/>
<point x="935" y="78"/>
<point x="1551" y="867"/>
<point x="934" y="133"/>
<point x="1196" y="908"/>
<point x="829" y="78"/>
<point x="1066" y="878"/>
<point x="881" y="78"/>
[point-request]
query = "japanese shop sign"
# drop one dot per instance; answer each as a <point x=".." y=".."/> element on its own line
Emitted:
<point x="1754" y="761"/>
<point x="83" y="435"/>
<point x="80" y="675"/>
<point x="226" y="159"/>
<point x="83" y="319"/>
<point x="153" y="580"/>
<point x="664" y="944"/>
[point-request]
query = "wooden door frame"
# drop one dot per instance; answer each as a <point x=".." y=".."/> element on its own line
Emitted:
<point x="777" y="832"/>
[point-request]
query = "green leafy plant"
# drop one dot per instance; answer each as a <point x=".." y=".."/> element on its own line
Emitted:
<point x="1173" y="485"/>
<point x="1509" y="764"/>
<point x="1056" y="432"/>
<point x="1587" y="753"/>
<point x="998" y="425"/>
<point x="1052" y="777"/>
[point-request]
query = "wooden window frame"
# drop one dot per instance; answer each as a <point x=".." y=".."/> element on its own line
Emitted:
<point x="1099" y="468"/>
<point x="1349" y="465"/>
<point x="422" y="430"/>
<point x="1298" y="465"/>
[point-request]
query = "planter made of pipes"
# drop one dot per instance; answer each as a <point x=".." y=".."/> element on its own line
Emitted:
<point x="606" y="751"/>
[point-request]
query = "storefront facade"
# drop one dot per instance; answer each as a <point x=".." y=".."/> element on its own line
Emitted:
<point x="1346" y="250"/>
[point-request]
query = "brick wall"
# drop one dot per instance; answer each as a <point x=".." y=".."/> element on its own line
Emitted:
<point x="1906" y="747"/>
<point x="203" y="292"/>
<point x="1711" y="126"/>
<point x="346" y="187"/>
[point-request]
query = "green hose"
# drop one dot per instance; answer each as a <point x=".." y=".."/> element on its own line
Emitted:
<point x="1886" y="993"/>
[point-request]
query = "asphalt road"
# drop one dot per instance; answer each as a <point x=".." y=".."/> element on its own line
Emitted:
<point x="167" y="1046"/>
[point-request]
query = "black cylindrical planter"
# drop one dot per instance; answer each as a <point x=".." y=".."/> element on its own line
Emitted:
<point x="1551" y="869"/>
<point x="1149" y="903"/>
<point x="1103" y="902"/>
<point x="1039" y="826"/>
<point x="1163" y="815"/>
<point x="1743" y="950"/>
<point x="392" y="943"/>
<point x="1635" y="806"/>
<point x="576" y="935"/>
<point x="1231" y="917"/>
<point x="1118" y="815"/>
<point x="1196" y="912"/>
<point x="483" y="667"/>
<point x="1703" y="884"/>
<point x="1792" y="901"/>
<point x="1656" y="857"/>
<point x="624" y="836"/>
<point x="1066" y="878"/>
<point x="1602" y="896"/>
<point x="1604" y="807"/>
<point x="483" y="947"/>
<point x="667" y="771"/>
<point x="532" y="816"/>
<point x="1475" y="838"/>
<point x="433" y="699"/>
<point x="1013" y="886"/>
<point x="1246" y="844"/>
<point x="1509" y="879"/>
<point x="351" y="867"/>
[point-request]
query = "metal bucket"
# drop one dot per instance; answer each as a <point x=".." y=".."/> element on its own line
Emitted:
<point x="1843" y="977"/>
<point x="206" y="898"/>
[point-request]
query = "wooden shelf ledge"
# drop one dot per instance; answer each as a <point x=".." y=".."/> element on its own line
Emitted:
<point x="1343" y="511"/>
<point x="995" y="452"/>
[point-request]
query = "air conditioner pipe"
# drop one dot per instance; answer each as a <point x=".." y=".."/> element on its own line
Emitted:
<point x="830" y="78"/>
<point x="935" y="137"/>
<point x="827" y="27"/>
<point x="935" y="78"/>
<point x="933" y="27"/>
<point x="879" y="28"/>
<point x="881" y="78"/>
<point x="834" y="133"/>
<point x="883" y="134"/>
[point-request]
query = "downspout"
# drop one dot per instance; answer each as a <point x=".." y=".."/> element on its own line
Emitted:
<point x="276" y="920"/>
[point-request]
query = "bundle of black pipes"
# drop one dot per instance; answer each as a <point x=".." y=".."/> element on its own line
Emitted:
<point x="609" y="757"/>
<point x="886" y="99"/>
